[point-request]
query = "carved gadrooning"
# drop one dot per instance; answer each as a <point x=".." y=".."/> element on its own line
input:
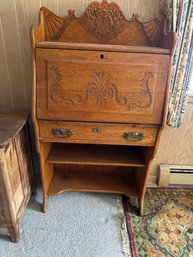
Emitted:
<point x="102" y="90"/>
<point x="101" y="23"/>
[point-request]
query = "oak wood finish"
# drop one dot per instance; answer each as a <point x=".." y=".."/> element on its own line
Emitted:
<point x="98" y="73"/>
<point x="46" y="172"/>
<point x="15" y="170"/>
<point x="89" y="182"/>
<point x="95" y="155"/>
<point x="98" y="133"/>
<point x="103" y="47"/>
<point x="13" y="37"/>
<point x="70" y="88"/>
<point x="102" y="23"/>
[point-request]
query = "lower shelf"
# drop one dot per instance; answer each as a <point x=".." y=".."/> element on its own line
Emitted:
<point x="89" y="182"/>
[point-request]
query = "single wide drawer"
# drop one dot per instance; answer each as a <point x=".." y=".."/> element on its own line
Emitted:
<point x="97" y="133"/>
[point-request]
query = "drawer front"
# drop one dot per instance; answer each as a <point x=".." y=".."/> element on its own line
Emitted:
<point x="97" y="133"/>
<point x="100" y="86"/>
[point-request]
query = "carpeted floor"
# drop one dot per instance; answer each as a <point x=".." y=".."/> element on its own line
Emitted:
<point x="166" y="229"/>
<point x="75" y="225"/>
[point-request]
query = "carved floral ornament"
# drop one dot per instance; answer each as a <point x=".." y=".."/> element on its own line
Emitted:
<point x="104" y="15"/>
<point x="101" y="90"/>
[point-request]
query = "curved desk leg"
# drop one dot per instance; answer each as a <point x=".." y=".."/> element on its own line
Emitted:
<point x="14" y="233"/>
<point x="45" y="203"/>
<point x="141" y="206"/>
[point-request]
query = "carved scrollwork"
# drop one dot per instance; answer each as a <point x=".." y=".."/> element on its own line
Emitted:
<point x="103" y="14"/>
<point x="102" y="23"/>
<point x="145" y="91"/>
<point x="101" y="90"/>
<point x="56" y="87"/>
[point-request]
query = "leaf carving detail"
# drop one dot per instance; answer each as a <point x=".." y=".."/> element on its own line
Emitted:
<point x="101" y="90"/>
<point x="103" y="14"/>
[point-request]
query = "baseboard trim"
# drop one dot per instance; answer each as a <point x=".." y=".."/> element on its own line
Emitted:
<point x="175" y="175"/>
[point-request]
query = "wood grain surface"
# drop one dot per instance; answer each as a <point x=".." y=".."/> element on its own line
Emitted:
<point x="11" y="123"/>
<point x="102" y="47"/>
<point x="16" y="178"/>
<point x="97" y="133"/>
<point x="95" y="85"/>
<point x="27" y="14"/>
<point x="90" y="182"/>
<point x="82" y="85"/>
<point x="96" y="155"/>
<point x="102" y="23"/>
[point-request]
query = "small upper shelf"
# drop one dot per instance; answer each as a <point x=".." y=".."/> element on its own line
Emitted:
<point x="102" y="23"/>
<point x="102" y="47"/>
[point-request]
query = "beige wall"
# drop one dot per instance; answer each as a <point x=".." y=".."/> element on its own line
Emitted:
<point x="16" y="17"/>
<point x="176" y="145"/>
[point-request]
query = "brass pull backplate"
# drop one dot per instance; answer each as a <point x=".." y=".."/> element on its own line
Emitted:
<point x="134" y="136"/>
<point x="61" y="132"/>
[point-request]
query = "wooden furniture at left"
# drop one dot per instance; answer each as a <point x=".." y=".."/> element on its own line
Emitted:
<point x="16" y="171"/>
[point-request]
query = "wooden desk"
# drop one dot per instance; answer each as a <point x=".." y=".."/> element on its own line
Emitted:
<point x="15" y="170"/>
<point x="99" y="99"/>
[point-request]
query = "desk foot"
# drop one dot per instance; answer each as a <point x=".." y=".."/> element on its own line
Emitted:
<point x="45" y="203"/>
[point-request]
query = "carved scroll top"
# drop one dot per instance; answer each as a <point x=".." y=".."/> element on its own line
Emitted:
<point x="101" y="23"/>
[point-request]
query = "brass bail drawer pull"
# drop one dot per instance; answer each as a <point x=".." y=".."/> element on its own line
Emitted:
<point x="61" y="132"/>
<point x="134" y="136"/>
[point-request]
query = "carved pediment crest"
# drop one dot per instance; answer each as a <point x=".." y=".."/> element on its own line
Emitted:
<point x="102" y="23"/>
<point x="104" y="14"/>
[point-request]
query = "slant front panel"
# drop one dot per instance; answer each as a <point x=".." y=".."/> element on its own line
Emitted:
<point x="100" y="86"/>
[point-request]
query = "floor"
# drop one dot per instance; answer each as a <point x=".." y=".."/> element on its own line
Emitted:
<point x="75" y="225"/>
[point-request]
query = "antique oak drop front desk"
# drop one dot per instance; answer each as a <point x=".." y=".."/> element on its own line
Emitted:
<point x="99" y="90"/>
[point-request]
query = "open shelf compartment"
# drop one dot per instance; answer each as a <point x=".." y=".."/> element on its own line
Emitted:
<point x="96" y="155"/>
<point x="93" y="182"/>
